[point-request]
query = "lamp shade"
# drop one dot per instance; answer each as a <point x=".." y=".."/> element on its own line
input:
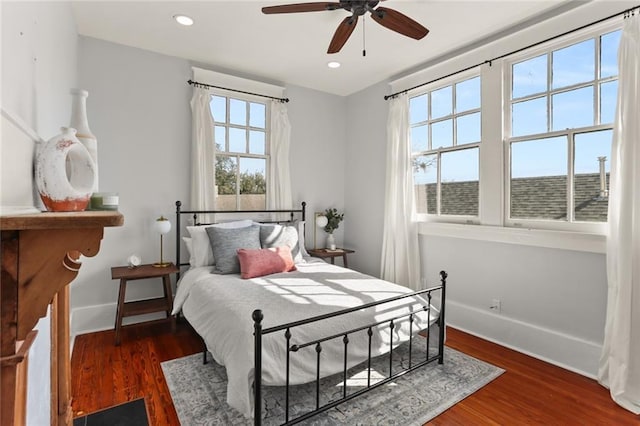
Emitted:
<point x="321" y="221"/>
<point x="162" y="225"/>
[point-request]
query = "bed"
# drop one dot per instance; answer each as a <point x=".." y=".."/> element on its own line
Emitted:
<point x="305" y="321"/>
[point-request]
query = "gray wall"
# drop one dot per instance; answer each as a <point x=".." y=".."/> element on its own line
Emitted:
<point x="138" y="108"/>
<point x="39" y="60"/>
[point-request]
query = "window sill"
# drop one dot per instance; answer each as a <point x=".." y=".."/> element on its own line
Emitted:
<point x="565" y="240"/>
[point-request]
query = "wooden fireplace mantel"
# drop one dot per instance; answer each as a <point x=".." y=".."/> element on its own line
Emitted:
<point x="40" y="254"/>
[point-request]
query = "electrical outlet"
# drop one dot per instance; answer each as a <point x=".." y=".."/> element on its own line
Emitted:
<point x="496" y="306"/>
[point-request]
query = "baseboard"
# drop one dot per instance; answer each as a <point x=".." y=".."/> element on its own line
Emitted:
<point x="566" y="351"/>
<point x="89" y="319"/>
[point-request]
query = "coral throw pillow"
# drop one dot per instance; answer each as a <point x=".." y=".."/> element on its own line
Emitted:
<point x="260" y="262"/>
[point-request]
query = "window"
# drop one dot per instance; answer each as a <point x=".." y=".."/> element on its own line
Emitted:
<point x="242" y="152"/>
<point x="445" y="139"/>
<point x="560" y="113"/>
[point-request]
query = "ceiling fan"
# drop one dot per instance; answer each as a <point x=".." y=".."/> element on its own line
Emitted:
<point x="389" y="18"/>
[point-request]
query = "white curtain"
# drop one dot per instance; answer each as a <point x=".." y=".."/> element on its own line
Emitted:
<point x="620" y="361"/>
<point x="202" y="152"/>
<point x="279" y="190"/>
<point x="400" y="258"/>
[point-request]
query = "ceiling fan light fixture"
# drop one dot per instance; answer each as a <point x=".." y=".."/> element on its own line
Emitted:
<point x="333" y="64"/>
<point x="183" y="20"/>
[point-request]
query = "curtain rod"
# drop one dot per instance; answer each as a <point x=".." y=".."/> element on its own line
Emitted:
<point x="203" y="86"/>
<point x="626" y="13"/>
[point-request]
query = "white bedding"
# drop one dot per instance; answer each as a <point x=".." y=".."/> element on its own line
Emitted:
<point x="219" y="307"/>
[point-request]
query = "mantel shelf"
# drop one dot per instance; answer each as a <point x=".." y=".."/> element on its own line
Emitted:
<point x="58" y="220"/>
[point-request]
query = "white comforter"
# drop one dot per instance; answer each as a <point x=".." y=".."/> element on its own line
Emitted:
<point x="219" y="307"/>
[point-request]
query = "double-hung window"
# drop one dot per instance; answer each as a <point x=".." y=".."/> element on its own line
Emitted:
<point x="445" y="134"/>
<point x="559" y="121"/>
<point x="241" y="137"/>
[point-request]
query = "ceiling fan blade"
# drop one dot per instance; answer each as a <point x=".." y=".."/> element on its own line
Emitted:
<point x="301" y="7"/>
<point x="398" y="22"/>
<point x="342" y="34"/>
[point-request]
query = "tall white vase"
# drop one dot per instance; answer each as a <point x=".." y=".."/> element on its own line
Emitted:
<point x="81" y="124"/>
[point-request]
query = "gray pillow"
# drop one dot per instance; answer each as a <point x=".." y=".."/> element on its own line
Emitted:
<point x="278" y="236"/>
<point x="225" y="244"/>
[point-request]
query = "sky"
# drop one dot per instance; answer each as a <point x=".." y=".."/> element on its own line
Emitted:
<point x="541" y="103"/>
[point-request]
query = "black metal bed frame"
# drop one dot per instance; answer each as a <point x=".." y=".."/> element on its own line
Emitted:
<point x="259" y="332"/>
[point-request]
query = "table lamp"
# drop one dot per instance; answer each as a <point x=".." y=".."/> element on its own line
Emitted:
<point x="162" y="225"/>
<point x="321" y="222"/>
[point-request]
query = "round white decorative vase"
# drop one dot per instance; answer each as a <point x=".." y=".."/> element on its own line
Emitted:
<point x="65" y="173"/>
<point x="331" y="242"/>
<point x="81" y="124"/>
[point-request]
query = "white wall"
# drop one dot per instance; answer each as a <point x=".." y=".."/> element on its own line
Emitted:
<point x="39" y="61"/>
<point x="138" y="108"/>
<point x="365" y="177"/>
<point x="553" y="300"/>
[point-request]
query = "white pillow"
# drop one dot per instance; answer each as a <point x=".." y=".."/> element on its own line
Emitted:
<point x="188" y="242"/>
<point x="303" y="249"/>
<point x="201" y="252"/>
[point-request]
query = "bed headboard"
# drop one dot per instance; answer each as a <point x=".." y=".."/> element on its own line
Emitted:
<point x="209" y="217"/>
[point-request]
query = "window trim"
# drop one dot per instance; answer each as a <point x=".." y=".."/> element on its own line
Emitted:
<point x="450" y="81"/>
<point x="228" y="95"/>
<point x="507" y="69"/>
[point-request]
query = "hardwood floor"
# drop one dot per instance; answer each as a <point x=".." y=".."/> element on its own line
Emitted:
<point x="529" y="392"/>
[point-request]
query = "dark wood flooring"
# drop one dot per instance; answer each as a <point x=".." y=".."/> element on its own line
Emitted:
<point x="530" y="392"/>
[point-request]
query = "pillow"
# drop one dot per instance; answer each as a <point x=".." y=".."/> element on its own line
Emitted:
<point x="257" y="263"/>
<point x="226" y="242"/>
<point x="301" y="243"/>
<point x="272" y="235"/>
<point x="201" y="253"/>
<point x="188" y="242"/>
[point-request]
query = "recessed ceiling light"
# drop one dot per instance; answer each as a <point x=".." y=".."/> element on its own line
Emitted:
<point x="333" y="64"/>
<point x="183" y="20"/>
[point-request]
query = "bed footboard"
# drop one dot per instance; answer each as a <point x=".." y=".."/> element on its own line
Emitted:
<point x="259" y="332"/>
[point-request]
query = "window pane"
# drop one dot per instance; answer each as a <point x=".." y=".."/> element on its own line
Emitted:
<point x="425" y="176"/>
<point x="256" y="142"/>
<point x="468" y="128"/>
<point x="529" y="117"/>
<point x="609" y="54"/>
<point x="237" y="140"/>
<point x="574" y="64"/>
<point x="220" y="138"/>
<point x="468" y="95"/>
<point x="573" y="109"/>
<point x="418" y="109"/>
<point x="237" y="112"/>
<point x="530" y="77"/>
<point x="608" y="100"/>
<point x="590" y="204"/>
<point x="442" y="134"/>
<point x="539" y="179"/>
<point x="419" y="138"/>
<point x="226" y="175"/>
<point x="257" y="115"/>
<point x="442" y="102"/>
<point x="460" y="171"/>
<point x="218" y="107"/>
<point x="253" y="184"/>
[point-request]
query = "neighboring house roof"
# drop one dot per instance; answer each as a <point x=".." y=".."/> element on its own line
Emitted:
<point x="534" y="198"/>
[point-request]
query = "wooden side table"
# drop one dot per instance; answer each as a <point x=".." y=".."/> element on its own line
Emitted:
<point x="332" y="254"/>
<point x="139" y="307"/>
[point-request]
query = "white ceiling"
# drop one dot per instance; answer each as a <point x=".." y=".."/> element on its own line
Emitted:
<point x="234" y="36"/>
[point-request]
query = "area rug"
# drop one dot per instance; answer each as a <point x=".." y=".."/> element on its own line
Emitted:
<point x="199" y="392"/>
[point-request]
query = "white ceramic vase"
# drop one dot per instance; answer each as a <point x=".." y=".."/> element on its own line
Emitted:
<point x="331" y="242"/>
<point x="65" y="172"/>
<point x="81" y="124"/>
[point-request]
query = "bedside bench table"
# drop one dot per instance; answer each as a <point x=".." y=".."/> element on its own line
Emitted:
<point x="139" y="307"/>
<point x="332" y="254"/>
